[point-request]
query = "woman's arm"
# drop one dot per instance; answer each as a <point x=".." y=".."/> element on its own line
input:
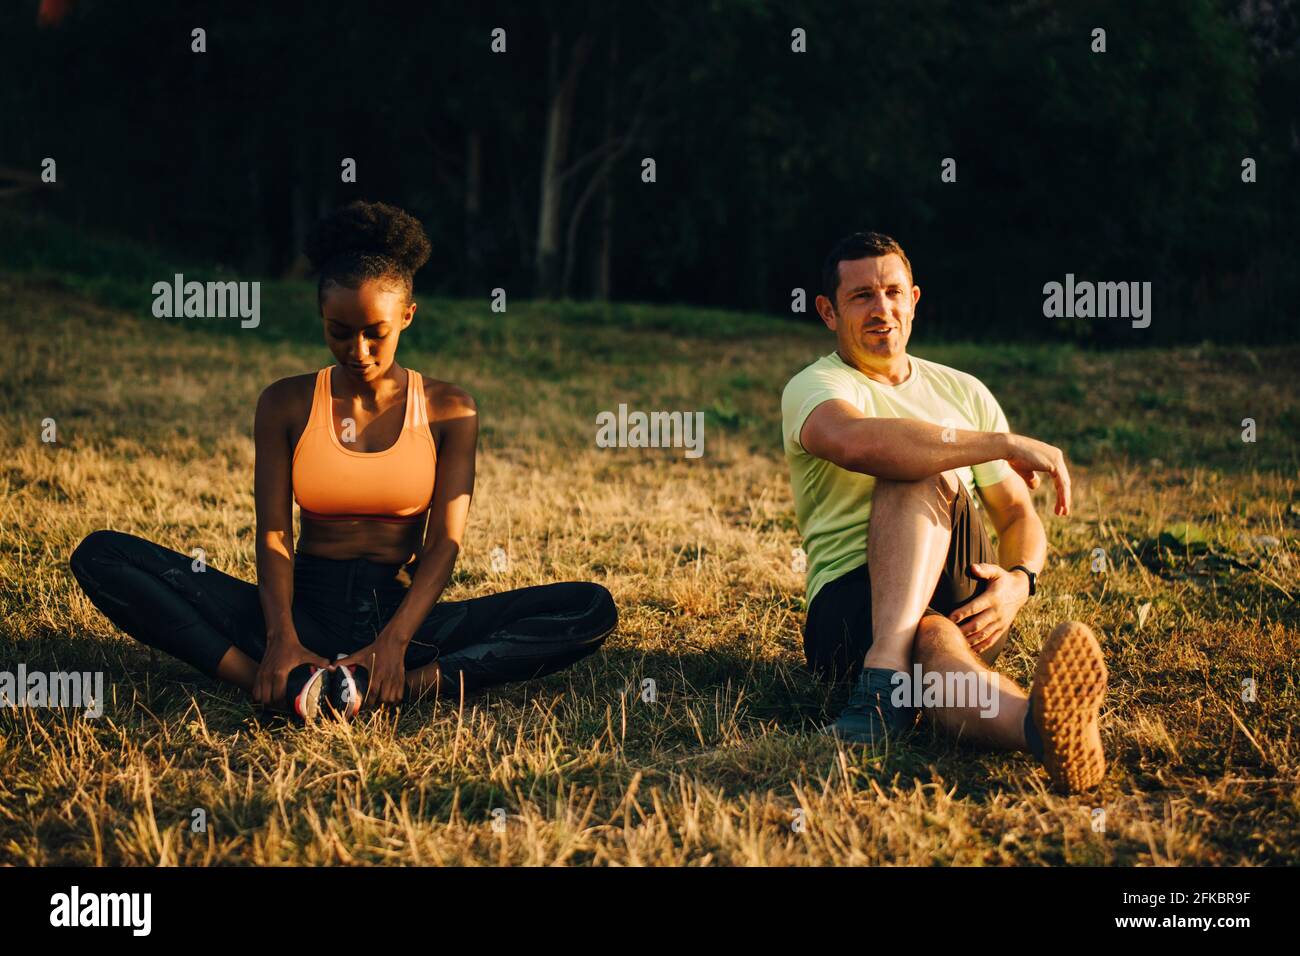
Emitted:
<point x="273" y="491"/>
<point x="457" y="418"/>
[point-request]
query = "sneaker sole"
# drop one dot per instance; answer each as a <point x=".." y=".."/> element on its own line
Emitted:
<point x="1069" y="686"/>
<point x="346" y="683"/>
<point x="307" y="702"/>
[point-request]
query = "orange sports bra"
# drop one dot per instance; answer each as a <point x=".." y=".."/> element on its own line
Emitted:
<point x="334" y="483"/>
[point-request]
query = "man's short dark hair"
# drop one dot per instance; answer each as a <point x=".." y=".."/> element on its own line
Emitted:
<point x="860" y="245"/>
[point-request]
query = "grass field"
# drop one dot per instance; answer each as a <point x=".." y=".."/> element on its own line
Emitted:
<point x="154" y="425"/>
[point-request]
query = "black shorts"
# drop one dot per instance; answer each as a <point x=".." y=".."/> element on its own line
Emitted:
<point x="837" y="633"/>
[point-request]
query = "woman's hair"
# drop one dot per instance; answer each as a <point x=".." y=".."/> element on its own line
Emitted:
<point x="367" y="240"/>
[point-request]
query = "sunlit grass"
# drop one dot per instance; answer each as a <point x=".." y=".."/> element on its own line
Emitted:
<point x="154" y="421"/>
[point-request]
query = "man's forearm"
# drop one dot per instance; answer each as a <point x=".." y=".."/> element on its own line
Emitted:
<point x="1023" y="541"/>
<point x="903" y="449"/>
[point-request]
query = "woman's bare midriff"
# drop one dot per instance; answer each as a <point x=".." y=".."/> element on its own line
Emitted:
<point x="378" y="541"/>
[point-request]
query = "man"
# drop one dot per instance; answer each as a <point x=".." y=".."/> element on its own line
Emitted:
<point x="875" y="436"/>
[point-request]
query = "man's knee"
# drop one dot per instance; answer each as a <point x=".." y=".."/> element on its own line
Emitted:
<point x="936" y="637"/>
<point x="941" y="486"/>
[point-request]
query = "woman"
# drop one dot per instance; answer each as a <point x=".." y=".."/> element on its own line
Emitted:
<point x="371" y="451"/>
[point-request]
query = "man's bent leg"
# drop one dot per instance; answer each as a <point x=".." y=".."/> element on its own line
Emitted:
<point x="907" y="542"/>
<point x="978" y="703"/>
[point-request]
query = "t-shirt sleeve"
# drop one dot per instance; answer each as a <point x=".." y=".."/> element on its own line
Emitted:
<point x="805" y="392"/>
<point x="990" y="418"/>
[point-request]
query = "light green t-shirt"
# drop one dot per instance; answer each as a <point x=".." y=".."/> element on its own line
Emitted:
<point x="832" y="505"/>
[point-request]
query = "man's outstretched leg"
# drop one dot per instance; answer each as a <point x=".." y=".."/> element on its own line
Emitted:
<point x="909" y="538"/>
<point x="1057" y="722"/>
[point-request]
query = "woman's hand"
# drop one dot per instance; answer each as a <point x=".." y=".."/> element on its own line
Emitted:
<point x="282" y="655"/>
<point x="385" y="659"/>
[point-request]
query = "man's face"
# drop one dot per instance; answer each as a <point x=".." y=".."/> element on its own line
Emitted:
<point x="875" y="303"/>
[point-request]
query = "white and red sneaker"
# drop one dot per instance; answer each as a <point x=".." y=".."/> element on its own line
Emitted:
<point x="304" y="688"/>
<point x="347" y="689"/>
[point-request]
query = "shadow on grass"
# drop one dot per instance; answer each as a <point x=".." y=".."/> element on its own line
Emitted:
<point x="740" y="723"/>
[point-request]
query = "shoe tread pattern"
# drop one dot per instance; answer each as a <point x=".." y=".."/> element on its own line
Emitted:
<point x="1068" y="689"/>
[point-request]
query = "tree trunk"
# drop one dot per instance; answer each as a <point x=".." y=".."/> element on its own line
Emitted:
<point x="604" y="254"/>
<point x="555" y="152"/>
<point x="299" y="215"/>
<point x="473" y="202"/>
<point x="604" y="250"/>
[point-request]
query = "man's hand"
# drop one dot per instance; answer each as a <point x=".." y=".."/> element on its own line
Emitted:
<point x="385" y="659"/>
<point x="280" y="658"/>
<point x="1028" y="456"/>
<point x="987" y="617"/>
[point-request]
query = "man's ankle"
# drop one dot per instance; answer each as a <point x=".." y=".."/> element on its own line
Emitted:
<point x="1033" y="739"/>
<point x="883" y="664"/>
<point x="879" y="683"/>
<point x="880" y="678"/>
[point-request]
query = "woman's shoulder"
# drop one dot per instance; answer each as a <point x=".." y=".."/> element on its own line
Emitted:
<point x="288" y="392"/>
<point x="445" y="400"/>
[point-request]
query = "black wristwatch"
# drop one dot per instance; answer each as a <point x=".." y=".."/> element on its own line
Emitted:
<point x="1031" y="575"/>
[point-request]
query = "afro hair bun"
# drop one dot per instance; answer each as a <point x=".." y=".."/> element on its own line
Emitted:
<point x="364" y="229"/>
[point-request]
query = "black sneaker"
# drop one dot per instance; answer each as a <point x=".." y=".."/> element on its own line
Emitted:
<point x="347" y="689"/>
<point x="304" y="688"/>
<point x="870" y="717"/>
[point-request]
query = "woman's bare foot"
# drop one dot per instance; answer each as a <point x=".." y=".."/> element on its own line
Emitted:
<point x="424" y="682"/>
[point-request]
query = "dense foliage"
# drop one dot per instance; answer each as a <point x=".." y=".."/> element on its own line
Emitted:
<point x="526" y="166"/>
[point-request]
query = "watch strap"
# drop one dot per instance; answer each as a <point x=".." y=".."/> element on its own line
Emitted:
<point x="1029" y="574"/>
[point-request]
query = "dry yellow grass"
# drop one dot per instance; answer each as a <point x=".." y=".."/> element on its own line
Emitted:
<point x="724" y="767"/>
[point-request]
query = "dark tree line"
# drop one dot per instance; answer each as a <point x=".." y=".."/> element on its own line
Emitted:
<point x="528" y="166"/>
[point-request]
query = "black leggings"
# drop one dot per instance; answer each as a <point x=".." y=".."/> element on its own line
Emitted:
<point x="155" y="596"/>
